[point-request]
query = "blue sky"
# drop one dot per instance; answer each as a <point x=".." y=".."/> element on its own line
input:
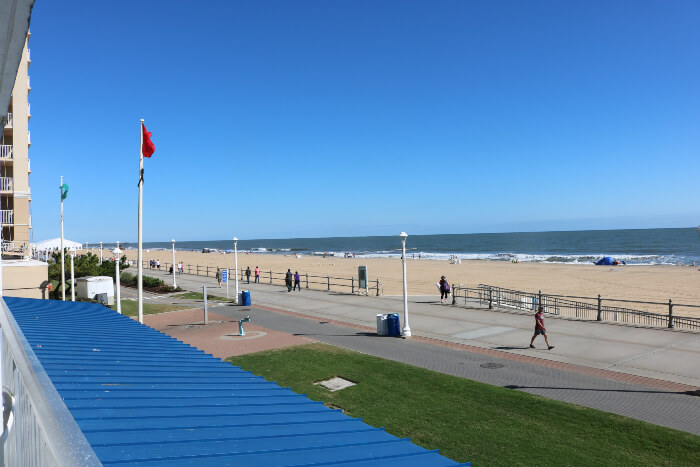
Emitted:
<point x="276" y="119"/>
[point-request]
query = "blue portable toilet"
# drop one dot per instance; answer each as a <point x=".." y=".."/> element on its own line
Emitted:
<point x="394" y="325"/>
<point x="245" y="298"/>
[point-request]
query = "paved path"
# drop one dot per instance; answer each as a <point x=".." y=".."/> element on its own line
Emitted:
<point x="637" y="372"/>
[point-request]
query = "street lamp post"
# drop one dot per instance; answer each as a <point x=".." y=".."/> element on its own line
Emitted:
<point x="406" y="328"/>
<point x="173" y="268"/>
<point x="117" y="252"/>
<point x="100" y="252"/>
<point x="72" y="275"/>
<point x="235" y="262"/>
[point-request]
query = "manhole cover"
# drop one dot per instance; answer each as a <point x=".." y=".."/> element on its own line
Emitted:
<point x="491" y="366"/>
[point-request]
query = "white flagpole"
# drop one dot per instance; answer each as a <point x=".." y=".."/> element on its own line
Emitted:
<point x="139" y="280"/>
<point x="63" y="258"/>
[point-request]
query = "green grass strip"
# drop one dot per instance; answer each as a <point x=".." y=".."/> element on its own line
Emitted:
<point x="130" y="308"/>
<point x="200" y="296"/>
<point x="470" y="421"/>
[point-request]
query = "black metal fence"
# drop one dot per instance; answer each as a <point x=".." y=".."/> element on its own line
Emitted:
<point x="308" y="281"/>
<point x="586" y="308"/>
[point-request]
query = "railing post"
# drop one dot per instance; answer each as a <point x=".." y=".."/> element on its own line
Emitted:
<point x="189" y="269"/>
<point x="490" y="298"/>
<point x="377" y="287"/>
<point x="670" y="314"/>
<point x="352" y="286"/>
<point x="539" y="299"/>
<point x="600" y="309"/>
<point x="270" y="276"/>
<point x="454" y="298"/>
<point x="307" y="280"/>
<point x="329" y="283"/>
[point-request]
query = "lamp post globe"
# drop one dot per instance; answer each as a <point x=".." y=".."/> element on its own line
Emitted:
<point x="406" y="331"/>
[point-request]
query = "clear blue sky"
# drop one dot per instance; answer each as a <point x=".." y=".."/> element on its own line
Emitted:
<point x="276" y="119"/>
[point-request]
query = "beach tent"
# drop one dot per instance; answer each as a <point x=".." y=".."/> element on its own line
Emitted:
<point x="606" y="261"/>
<point x="55" y="244"/>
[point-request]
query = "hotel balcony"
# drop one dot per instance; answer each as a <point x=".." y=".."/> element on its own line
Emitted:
<point x="6" y="152"/>
<point x="29" y="84"/>
<point x="7" y="217"/>
<point x="6" y="184"/>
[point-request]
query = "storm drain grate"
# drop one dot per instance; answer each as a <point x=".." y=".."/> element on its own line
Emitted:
<point x="491" y="365"/>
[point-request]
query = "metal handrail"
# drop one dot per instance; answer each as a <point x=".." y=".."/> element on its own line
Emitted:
<point x="589" y="308"/>
<point x="56" y="439"/>
<point x="269" y="277"/>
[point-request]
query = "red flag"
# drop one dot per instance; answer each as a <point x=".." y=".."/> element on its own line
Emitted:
<point x="148" y="148"/>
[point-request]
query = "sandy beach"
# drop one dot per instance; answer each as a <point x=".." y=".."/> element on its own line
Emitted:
<point x="647" y="283"/>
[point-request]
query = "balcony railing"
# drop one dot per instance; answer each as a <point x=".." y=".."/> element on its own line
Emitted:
<point x="5" y="151"/>
<point x="38" y="427"/>
<point x="6" y="183"/>
<point x="9" y="121"/>
<point x="7" y="216"/>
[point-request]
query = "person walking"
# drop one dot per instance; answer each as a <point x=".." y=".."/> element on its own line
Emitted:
<point x="444" y="289"/>
<point x="257" y="275"/>
<point x="540" y="329"/>
<point x="247" y="274"/>
<point x="158" y="264"/>
<point x="218" y="276"/>
<point x="288" y="280"/>
<point x="297" y="281"/>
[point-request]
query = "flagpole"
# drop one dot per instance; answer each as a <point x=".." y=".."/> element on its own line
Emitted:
<point x="63" y="258"/>
<point x="139" y="280"/>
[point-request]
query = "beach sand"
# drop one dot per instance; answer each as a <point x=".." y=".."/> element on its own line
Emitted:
<point x="646" y="283"/>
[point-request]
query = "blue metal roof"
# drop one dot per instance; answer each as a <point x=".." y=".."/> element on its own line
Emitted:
<point x="142" y="397"/>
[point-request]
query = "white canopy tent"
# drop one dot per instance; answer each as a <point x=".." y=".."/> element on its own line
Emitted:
<point x="55" y="244"/>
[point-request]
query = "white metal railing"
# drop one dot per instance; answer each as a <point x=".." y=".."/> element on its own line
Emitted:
<point x="7" y="216"/>
<point x="40" y="429"/>
<point x="9" y="121"/>
<point x="6" y="183"/>
<point x="5" y="151"/>
<point x="29" y="83"/>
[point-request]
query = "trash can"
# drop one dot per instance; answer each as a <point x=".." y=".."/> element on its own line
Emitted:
<point x="382" y="329"/>
<point x="393" y="325"/>
<point x="245" y="298"/>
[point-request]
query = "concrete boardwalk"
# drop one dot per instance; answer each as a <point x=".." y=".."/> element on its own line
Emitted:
<point x="636" y="372"/>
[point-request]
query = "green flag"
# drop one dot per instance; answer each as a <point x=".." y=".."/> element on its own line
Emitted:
<point x="64" y="191"/>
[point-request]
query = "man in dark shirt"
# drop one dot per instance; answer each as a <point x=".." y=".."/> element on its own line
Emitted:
<point x="288" y="280"/>
<point x="540" y="329"/>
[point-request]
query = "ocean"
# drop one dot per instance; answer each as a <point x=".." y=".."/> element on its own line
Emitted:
<point x="634" y="246"/>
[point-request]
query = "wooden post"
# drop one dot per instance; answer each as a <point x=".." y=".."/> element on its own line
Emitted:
<point x="270" y="276"/>
<point x="600" y="309"/>
<point x="329" y="283"/>
<point x="490" y="298"/>
<point x="377" y="287"/>
<point x="352" y="286"/>
<point x="454" y="298"/>
<point x="307" y="280"/>
<point x="539" y="300"/>
<point x="670" y="314"/>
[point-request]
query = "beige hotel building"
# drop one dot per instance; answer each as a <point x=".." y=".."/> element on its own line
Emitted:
<point x="21" y="275"/>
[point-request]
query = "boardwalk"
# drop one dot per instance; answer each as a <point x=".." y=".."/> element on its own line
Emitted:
<point x="636" y="372"/>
